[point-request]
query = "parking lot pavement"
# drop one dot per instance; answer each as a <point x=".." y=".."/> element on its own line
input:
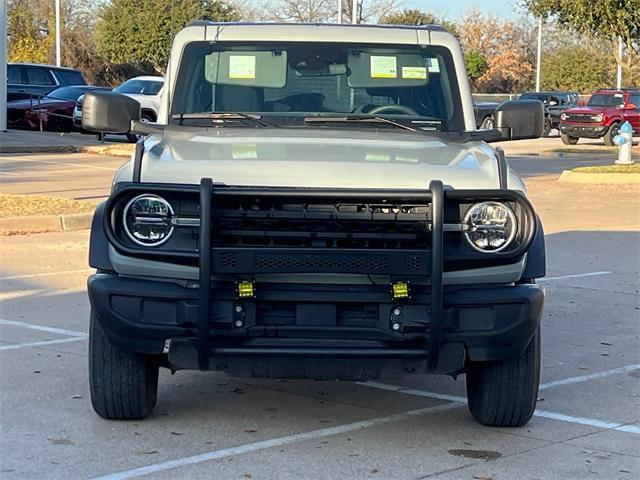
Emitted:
<point x="587" y="423"/>
<point x="74" y="175"/>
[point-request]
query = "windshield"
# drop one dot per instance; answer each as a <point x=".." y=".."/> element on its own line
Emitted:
<point x="290" y="83"/>
<point x="606" y="100"/>
<point x="66" y="93"/>
<point x="141" y="87"/>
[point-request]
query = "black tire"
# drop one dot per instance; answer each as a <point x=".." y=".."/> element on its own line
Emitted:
<point x="504" y="394"/>
<point x="614" y="129"/>
<point x="568" y="140"/>
<point x="124" y="385"/>
<point x="487" y="123"/>
<point x="547" y="128"/>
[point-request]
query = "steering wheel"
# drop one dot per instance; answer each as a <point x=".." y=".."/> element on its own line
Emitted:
<point x="393" y="108"/>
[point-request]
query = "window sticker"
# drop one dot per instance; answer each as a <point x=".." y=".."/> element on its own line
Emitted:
<point x="419" y="73"/>
<point x="433" y="65"/>
<point x="242" y="66"/>
<point x="244" y="151"/>
<point x="384" y="67"/>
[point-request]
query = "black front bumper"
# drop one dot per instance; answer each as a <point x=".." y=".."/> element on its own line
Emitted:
<point x="584" y="131"/>
<point x="321" y="321"/>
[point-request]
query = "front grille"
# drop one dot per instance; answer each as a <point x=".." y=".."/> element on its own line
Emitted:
<point x="315" y="263"/>
<point x="280" y="223"/>
<point x="580" y="117"/>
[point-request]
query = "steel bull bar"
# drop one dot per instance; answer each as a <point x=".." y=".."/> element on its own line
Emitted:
<point x="435" y="195"/>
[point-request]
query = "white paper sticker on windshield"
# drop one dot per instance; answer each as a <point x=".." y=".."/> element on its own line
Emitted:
<point x="242" y="66"/>
<point x="384" y="67"/>
<point x="244" y="152"/>
<point x="417" y="73"/>
<point x="433" y="65"/>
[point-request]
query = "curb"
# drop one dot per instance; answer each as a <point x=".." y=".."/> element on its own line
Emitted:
<point x="110" y="150"/>
<point x="45" y="223"/>
<point x="569" y="176"/>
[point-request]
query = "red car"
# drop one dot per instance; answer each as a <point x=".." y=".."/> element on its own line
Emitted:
<point x="54" y="110"/>
<point x="603" y="115"/>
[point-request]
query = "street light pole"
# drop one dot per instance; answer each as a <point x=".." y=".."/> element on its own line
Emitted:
<point x="340" y="7"/>
<point x="58" y="46"/>
<point x="619" y="67"/>
<point x="539" y="54"/>
<point x="354" y="11"/>
<point x="3" y="66"/>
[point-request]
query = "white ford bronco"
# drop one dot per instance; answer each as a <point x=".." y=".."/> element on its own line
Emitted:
<point x="316" y="202"/>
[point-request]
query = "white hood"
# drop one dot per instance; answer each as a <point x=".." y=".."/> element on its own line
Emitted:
<point x="315" y="157"/>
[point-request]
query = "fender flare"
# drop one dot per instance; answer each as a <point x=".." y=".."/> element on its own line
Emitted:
<point x="98" y="243"/>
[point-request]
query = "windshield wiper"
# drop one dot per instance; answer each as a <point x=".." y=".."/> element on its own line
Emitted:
<point x="354" y="119"/>
<point x="221" y="117"/>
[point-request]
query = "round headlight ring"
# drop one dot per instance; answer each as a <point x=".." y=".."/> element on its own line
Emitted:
<point x="487" y="224"/>
<point x="158" y="219"/>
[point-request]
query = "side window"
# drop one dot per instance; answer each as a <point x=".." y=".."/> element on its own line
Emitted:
<point x="14" y="74"/>
<point x="564" y="99"/>
<point x="635" y="99"/>
<point x="39" y="76"/>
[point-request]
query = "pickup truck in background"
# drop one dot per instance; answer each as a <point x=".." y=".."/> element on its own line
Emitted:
<point x="554" y="104"/>
<point x="602" y="117"/>
<point x="484" y="114"/>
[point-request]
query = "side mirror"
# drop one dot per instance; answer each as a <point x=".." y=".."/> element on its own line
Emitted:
<point x="631" y="106"/>
<point x="109" y="112"/>
<point x="519" y="120"/>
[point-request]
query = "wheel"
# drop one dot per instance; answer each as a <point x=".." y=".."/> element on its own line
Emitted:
<point x="487" y="123"/>
<point x="547" y="128"/>
<point x="145" y="118"/>
<point x="504" y="394"/>
<point x="124" y="385"/>
<point x="568" y="140"/>
<point x="614" y="129"/>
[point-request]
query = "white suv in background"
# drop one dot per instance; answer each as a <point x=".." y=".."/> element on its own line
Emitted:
<point x="145" y="90"/>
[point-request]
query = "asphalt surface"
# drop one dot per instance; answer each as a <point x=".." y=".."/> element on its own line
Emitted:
<point x="207" y="426"/>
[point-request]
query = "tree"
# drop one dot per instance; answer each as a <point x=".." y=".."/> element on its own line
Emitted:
<point x="607" y="19"/>
<point x="413" y="16"/>
<point x="577" y="69"/>
<point x="476" y="64"/>
<point x="506" y="67"/>
<point x="29" y="28"/>
<point x="312" y="11"/>
<point x="136" y="31"/>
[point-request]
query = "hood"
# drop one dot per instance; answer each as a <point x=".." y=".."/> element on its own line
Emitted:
<point x="590" y="110"/>
<point x="28" y="104"/>
<point x="316" y="157"/>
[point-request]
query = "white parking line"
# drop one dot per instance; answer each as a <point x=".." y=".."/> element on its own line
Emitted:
<point x="591" y="422"/>
<point x="42" y="328"/>
<point x="46" y="274"/>
<point x="41" y="344"/>
<point x="273" y="442"/>
<point x="590" y="376"/>
<point x="577" y="275"/>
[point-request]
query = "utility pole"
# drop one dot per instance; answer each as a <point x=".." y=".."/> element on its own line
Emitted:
<point x="539" y="54"/>
<point x="354" y="11"/>
<point x="58" y="46"/>
<point x="619" y="67"/>
<point x="3" y="66"/>
<point x="340" y="7"/>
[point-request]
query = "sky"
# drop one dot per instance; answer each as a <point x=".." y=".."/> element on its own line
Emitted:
<point x="456" y="9"/>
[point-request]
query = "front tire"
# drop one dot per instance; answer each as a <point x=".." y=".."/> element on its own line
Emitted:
<point x="547" y="128"/>
<point x="614" y="130"/>
<point x="569" y="140"/>
<point x="504" y="393"/>
<point x="487" y="123"/>
<point x="124" y="385"/>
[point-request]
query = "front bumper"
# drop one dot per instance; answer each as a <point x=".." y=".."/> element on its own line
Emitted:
<point x="316" y="321"/>
<point x="584" y="131"/>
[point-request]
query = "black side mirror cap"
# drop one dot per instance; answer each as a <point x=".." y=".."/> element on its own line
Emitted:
<point x="519" y="120"/>
<point x="109" y="112"/>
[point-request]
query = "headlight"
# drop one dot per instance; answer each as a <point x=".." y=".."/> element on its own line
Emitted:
<point x="597" y="118"/>
<point x="563" y="116"/>
<point x="491" y="226"/>
<point x="147" y="220"/>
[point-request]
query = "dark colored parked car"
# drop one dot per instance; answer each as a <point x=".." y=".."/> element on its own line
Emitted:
<point x="484" y="114"/>
<point x="54" y="111"/>
<point x="554" y="103"/>
<point x="26" y="80"/>
<point x="602" y="117"/>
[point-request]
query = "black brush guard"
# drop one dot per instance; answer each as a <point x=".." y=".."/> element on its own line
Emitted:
<point x="208" y="258"/>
